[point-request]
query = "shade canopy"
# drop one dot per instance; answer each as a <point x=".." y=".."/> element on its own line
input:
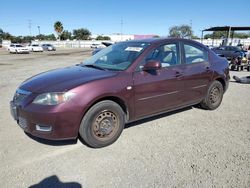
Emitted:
<point x="227" y="28"/>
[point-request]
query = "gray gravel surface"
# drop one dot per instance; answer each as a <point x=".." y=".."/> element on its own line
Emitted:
<point x="187" y="148"/>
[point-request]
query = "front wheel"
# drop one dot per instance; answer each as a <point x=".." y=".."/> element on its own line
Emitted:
<point x="214" y="96"/>
<point x="102" y="124"/>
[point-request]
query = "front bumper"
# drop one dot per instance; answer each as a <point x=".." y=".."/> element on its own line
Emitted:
<point x="23" y="51"/>
<point x="46" y="122"/>
<point x="37" y="50"/>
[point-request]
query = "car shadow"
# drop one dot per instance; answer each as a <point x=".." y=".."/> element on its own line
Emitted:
<point x="54" y="182"/>
<point x="153" y="118"/>
<point x="52" y="142"/>
<point x="232" y="81"/>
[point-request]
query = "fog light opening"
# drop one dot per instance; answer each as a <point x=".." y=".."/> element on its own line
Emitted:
<point x="44" y="128"/>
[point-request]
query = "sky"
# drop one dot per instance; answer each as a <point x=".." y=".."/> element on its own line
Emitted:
<point x="106" y="16"/>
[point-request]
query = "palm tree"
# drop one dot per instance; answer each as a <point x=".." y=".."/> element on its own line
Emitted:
<point x="58" y="26"/>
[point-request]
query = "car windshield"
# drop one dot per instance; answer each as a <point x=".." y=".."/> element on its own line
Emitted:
<point x="118" y="56"/>
<point x="35" y="45"/>
<point x="19" y="45"/>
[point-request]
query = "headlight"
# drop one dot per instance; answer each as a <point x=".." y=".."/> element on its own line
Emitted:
<point x="53" y="98"/>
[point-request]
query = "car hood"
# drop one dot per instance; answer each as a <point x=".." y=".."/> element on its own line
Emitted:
<point x="63" y="79"/>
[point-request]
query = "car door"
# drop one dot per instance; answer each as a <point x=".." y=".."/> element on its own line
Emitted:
<point x="158" y="90"/>
<point x="196" y="72"/>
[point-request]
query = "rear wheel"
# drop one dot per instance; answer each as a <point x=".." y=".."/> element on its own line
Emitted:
<point x="102" y="124"/>
<point x="214" y="96"/>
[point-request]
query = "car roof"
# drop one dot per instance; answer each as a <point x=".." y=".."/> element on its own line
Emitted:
<point x="165" y="40"/>
<point x="229" y="46"/>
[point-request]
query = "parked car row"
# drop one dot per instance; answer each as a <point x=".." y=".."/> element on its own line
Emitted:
<point x="229" y="52"/>
<point x="19" y="48"/>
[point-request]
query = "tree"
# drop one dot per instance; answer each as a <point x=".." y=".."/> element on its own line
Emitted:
<point x="50" y="37"/>
<point x="1" y="35"/>
<point x="46" y="37"/>
<point x="103" y="37"/>
<point x="182" y="31"/>
<point x="81" y="34"/>
<point x="58" y="26"/>
<point x="224" y="34"/>
<point x="66" y="35"/>
<point x="216" y="35"/>
<point x="7" y="36"/>
<point x="174" y="31"/>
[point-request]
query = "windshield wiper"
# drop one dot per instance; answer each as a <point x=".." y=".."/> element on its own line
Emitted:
<point x="94" y="66"/>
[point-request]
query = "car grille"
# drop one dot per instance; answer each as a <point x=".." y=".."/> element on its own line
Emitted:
<point x="22" y="122"/>
<point x="20" y="95"/>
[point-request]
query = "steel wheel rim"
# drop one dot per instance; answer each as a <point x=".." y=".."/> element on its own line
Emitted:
<point x="105" y="125"/>
<point x="214" y="95"/>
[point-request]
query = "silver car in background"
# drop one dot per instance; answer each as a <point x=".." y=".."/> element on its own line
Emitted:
<point x="48" y="47"/>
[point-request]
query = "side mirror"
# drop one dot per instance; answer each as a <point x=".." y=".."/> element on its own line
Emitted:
<point x="152" y="65"/>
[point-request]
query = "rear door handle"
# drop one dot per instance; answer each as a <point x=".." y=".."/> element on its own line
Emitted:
<point x="178" y="74"/>
<point x="207" y="69"/>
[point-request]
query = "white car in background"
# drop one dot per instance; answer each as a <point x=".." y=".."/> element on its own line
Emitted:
<point x="35" y="48"/>
<point x="18" y="48"/>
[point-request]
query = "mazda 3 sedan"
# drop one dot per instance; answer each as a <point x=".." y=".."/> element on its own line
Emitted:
<point x="122" y="83"/>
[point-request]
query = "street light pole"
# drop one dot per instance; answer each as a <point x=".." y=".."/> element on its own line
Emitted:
<point x="229" y="34"/>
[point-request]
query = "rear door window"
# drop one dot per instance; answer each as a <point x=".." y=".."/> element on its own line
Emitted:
<point x="167" y="54"/>
<point x="194" y="54"/>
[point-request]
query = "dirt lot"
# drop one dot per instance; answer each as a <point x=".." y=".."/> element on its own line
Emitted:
<point x="188" y="148"/>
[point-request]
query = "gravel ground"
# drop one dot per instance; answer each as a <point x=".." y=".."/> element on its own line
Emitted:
<point x="187" y="148"/>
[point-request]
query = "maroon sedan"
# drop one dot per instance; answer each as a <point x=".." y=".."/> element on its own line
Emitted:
<point x="122" y="83"/>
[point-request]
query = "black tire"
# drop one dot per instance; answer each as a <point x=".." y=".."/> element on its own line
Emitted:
<point x="102" y="124"/>
<point x="232" y="67"/>
<point x="213" y="97"/>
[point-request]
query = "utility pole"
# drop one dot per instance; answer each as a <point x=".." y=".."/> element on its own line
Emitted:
<point x="191" y="24"/>
<point x="229" y="34"/>
<point x="38" y="27"/>
<point x="121" y="28"/>
<point x="29" y="26"/>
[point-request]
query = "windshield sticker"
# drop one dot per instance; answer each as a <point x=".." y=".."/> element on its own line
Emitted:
<point x="134" y="49"/>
